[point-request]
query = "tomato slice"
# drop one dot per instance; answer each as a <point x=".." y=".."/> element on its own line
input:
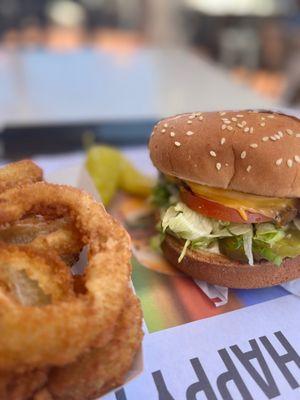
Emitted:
<point x="218" y="211"/>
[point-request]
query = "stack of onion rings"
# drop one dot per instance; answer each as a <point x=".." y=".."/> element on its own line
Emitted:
<point x="67" y="326"/>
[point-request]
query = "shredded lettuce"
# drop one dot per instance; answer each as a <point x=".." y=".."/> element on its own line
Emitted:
<point x="186" y="223"/>
<point x="247" y="242"/>
<point x="269" y="233"/>
<point x="253" y="241"/>
<point x="264" y="251"/>
<point x="201" y="232"/>
<point x="184" y="249"/>
<point x="210" y="245"/>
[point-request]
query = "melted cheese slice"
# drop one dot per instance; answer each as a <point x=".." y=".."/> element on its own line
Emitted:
<point x="242" y="202"/>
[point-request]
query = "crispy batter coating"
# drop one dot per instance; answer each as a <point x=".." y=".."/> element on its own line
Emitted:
<point x="29" y="277"/>
<point x="55" y="234"/>
<point x="19" y="173"/>
<point x="101" y="369"/>
<point x="90" y="318"/>
<point x="22" y="386"/>
<point x="43" y="395"/>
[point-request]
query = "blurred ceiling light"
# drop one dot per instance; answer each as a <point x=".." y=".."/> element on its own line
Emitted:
<point x="66" y="13"/>
<point x="238" y="7"/>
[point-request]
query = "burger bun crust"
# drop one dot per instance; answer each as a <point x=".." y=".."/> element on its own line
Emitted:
<point x="247" y="151"/>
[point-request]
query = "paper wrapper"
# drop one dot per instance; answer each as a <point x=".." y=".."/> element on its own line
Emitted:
<point x="217" y="294"/>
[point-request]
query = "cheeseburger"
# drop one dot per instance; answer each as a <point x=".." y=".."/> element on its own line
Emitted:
<point x="228" y="196"/>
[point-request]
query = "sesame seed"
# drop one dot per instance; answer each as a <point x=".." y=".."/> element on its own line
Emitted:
<point x="289" y="163"/>
<point x="277" y="136"/>
<point x="297" y="159"/>
<point x="192" y="116"/>
<point x="246" y="129"/>
<point x="273" y="138"/>
<point x="262" y="118"/>
<point x="230" y="128"/>
<point x="152" y="133"/>
<point x="240" y="116"/>
<point x="240" y="125"/>
<point x="279" y="161"/>
<point x="223" y="140"/>
<point x="251" y="129"/>
<point x="189" y="133"/>
<point x="226" y="164"/>
<point x="223" y="113"/>
<point x="218" y="166"/>
<point x="166" y="125"/>
<point x="297" y="134"/>
<point x="163" y="131"/>
<point x="270" y="116"/>
<point x="262" y="124"/>
<point x="254" y="145"/>
<point x="177" y="144"/>
<point x="249" y="168"/>
<point x="213" y="153"/>
<point x="280" y="133"/>
<point x="224" y="127"/>
<point x="201" y="118"/>
<point x="189" y="122"/>
<point x="172" y="134"/>
<point x="234" y="119"/>
<point x="243" y="154"/>
<point x="227" y="122"/>
<point x="244" y="123"/>
<point x="289" y="132"/>
<point x="265" y="138"/>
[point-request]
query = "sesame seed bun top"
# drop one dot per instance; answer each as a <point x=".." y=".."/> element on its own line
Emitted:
<point x="247" y="151"/>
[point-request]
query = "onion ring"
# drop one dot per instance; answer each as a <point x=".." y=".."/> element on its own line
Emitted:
<point x="89" y="319"/>
<point x="55" y="234"/>
<point x="101" y="369"/>
<point x="58" y="235"/>
<point x="22" y="386"/>
<point x="28" y="277"/>
<point x="42" y="395"/>
<point x="19" y="173"/>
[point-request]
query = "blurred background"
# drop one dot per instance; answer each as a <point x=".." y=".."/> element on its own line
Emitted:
<point x="76" y="71"/>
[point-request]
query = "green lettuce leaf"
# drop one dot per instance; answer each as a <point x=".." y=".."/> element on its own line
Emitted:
<point x="289" y="246"/>
<point x="164" y="193"/>
<point x="269" y="233"/>
<point x="249" y="241"/>
<point x="266" y="252"/>
<point x="185" y="223"/>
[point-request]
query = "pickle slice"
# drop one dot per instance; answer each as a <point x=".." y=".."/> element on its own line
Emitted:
<point x="111" y="171"/>
<point x="104" y="164"/>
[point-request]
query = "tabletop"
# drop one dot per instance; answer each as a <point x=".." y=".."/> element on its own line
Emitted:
<point x="46" y="87"/>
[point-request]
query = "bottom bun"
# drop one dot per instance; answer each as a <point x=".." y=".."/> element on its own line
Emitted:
<point x="217" y="269"/>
